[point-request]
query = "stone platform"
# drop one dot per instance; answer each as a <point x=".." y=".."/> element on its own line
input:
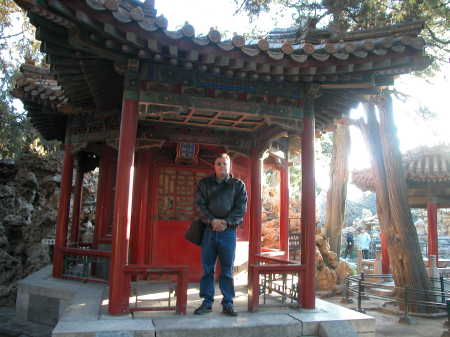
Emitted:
<point x="80" y="310"/>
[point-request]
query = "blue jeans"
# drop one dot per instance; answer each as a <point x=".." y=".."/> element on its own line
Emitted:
<point x="220" y="245"/>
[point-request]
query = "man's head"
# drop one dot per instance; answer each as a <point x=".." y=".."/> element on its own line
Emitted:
<point x="222" y="165"/>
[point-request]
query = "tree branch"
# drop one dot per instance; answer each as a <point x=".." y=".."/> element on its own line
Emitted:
<point x="9" y="36"/>
<point x="434" y="37"/>
<point x="400" y="95"/>
<point x="351" y="16"/>
<point x="240" y="7"/>
<point x="442" y="5"/>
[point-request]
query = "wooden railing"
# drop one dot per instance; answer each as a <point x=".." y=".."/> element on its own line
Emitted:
<point x="271" y="275"/>
<point x="83" y="264"/>
<point x="141" y="272"/>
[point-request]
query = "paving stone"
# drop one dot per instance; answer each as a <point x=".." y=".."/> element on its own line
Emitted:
<point x="105" y="328"/>
<point x="337" y="329"/>
<point x="11" y="326"/>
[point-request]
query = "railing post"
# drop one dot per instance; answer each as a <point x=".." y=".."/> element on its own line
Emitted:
<point x="360" y="292"/>
<point x="447" y="323"/>
<point x="347" y="298"/>
<point x="441" y="281"/>
<point x="448" y="314"/>
<point x="406" y="319"/>
<point x="181" y="292"/>
<point x="406" y="302"/>
<point x="346" y="292"/>
<point x="253" y="289"/>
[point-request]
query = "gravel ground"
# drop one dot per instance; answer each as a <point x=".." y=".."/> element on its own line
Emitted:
<point x="387" y="324"/>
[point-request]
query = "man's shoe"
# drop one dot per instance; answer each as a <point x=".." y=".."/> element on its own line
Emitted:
<point x="203" y="309"/>
<point x="229" y="311"/>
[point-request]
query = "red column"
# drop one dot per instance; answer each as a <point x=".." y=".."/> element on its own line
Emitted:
<point x="138" y="187"/>
<point x="384" y="255"/>
<point x="255" y="226"/>
<point x="144" y="209"/>
<point x="62" y="221"/>
<point x="284" y="209"/>
<point x="76" y="208"/>
<point x="141" y="207"/>
<point x="308" y="215"/>
<point x="432" y="231"/>
<point x="110" y="195"/>
<point x="119" y="288"/>
<point x="102" y="207"/>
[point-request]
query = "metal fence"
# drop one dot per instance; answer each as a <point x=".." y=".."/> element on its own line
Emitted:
<point x="407" y="299"/>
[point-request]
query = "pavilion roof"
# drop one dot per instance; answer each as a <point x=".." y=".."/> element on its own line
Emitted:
<point x="88" y="44"/>
<point x="424" y="165"/>
<point x="43" y="96"/>
<point x="130" y="27"/>
<point x="38" y="83"/>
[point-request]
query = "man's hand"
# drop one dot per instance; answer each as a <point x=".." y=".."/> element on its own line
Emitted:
<point x="218" y="225"/>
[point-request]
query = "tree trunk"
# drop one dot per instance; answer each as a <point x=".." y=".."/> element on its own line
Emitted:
<point x="408" y="269"/>
<point x="408" y="265"/>
<point x="337" y="193"/>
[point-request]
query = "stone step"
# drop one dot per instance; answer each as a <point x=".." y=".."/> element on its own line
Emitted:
<point x="245" y="324"/>
<point x="84" y="314"/>
<point x="337" y="329"/>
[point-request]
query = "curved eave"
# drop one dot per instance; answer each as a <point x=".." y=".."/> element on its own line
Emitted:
<point x="44" y="99"/>
<point x="124" y="29"/>
<point x="422" y="166"/>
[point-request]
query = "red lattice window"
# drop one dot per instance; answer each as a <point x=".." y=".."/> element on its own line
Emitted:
<point x="176" y="194"/>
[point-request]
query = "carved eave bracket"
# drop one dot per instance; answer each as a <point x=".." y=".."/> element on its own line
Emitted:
<point x="237" y="142"/>
<point x="263" y="141"/>
<point x="313" y="91"/>
<point x="89" y="128"/>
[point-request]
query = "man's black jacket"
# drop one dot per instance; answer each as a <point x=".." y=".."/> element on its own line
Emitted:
<point x="221" y="200"/>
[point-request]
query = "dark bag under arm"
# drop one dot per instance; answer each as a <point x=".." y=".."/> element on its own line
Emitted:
<point x="195" y="231"/>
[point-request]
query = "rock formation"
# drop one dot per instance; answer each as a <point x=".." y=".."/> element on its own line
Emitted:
<point x="28" y="199"/>
<point x="29" y="194"/>
<point x="329" y="271"/>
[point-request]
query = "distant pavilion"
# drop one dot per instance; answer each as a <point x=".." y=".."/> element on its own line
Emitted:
<point x="427" y="171"/>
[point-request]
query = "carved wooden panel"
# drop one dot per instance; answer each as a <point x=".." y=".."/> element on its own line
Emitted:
<point x="176" y="193"/>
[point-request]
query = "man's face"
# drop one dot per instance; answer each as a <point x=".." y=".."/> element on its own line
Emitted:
<point x="222" y="167"/>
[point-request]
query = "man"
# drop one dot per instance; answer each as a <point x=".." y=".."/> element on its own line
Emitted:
<point x="349" y="244"/>
<point x="364" y="243"/>
<point x="221" y="201"/>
